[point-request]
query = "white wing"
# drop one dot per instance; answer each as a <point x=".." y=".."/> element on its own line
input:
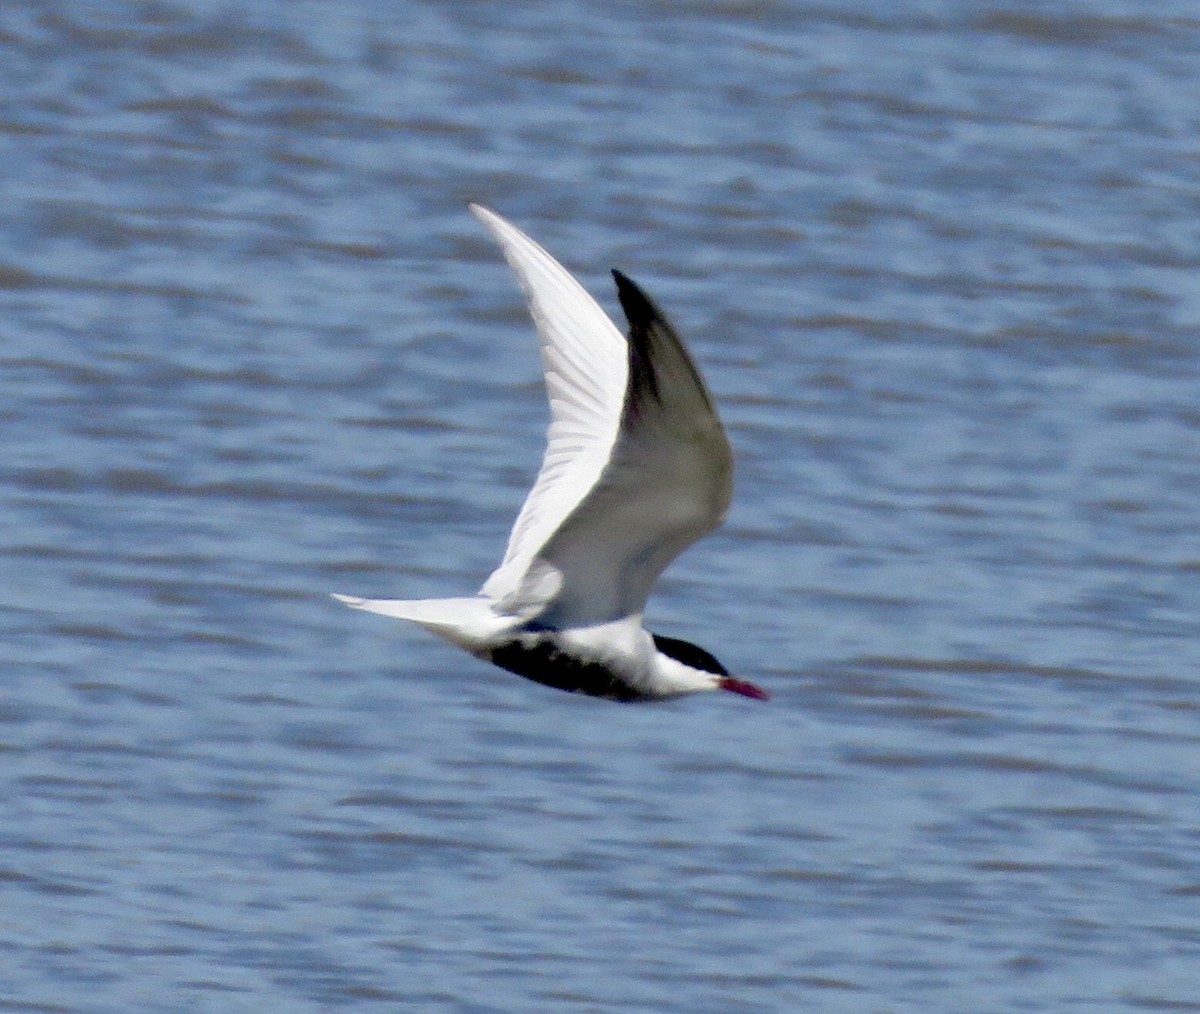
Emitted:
<point x="668" y="482"/>
<point x="585" y="361"/>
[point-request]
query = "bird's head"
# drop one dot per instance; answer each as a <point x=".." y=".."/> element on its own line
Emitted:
<point x="706" y="667"/>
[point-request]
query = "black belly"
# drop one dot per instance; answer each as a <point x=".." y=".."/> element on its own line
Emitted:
<point x="541" y="660"/>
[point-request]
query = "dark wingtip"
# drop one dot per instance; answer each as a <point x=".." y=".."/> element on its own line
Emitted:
<point x="743" y="688"/>
<point x="639" y="311"/>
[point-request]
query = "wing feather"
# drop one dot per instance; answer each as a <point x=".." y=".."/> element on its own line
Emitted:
<point x="585" y="364"/>
<point x="668" y="482"/>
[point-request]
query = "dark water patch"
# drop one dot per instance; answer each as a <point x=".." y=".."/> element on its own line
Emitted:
<point x="373" y="994"/>
<point x="1015" y="867"/>
<point x="741" y="769"/>
<point x="580" y="862"/>
<point x="78" y="790"/>
<point x="348" y="251"/>
<point x="232" y="642"/>
<point x="161" y="482"/>
<point x="403" y="423"/>
<point x="737" y="981"/>
<point x="101" y="692"/>
<point x="17" y="278"/>
<point x="102" y="748"/>
<point x="224" y="800"/>
<point x="31" y="1007"/>
<point x="90" y="632"/>
<point x="899" y="107"/>
<point x="383" y="851"/>
<point x="54" y="479"/>
<point x="1144" y="1001"/>
<point x="825" y="982"/>
<point x="979" y="667"/>
<point x="267" y="700"/>
<point x="807" y="876"/>
<point x="940" y="713"/>
<point x="790" y="833"/>
<point x="449" y="809"/>
<point x="322" y="737"/>
<point x="213" y="986"/>
<point x="1014" y="764"/>
<point x="1079" y="29"/>
<point x="565" y="811"/>
<point x="66" y="889"/>
<point x="794" y="533"/>
<point x="1088" y="816"/>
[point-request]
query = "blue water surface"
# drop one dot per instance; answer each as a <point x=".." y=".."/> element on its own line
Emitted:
<point x="940" y="262"/>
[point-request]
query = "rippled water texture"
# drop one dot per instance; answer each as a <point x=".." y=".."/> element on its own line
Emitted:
<point x="939" y="262"/>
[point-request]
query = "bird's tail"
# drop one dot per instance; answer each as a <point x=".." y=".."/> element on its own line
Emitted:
<point x="467" y="622"/>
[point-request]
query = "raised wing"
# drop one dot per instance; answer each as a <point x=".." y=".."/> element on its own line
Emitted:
<point x="585" y="363"/>
<point x="668" y="482"/>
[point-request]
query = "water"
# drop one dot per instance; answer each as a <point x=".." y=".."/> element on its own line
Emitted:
<point x="939" y="263"/>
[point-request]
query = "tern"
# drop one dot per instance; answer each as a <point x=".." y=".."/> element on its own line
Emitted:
<point x="637" y="468"/>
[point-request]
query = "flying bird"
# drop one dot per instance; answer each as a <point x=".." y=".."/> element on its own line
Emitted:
<point x="637" y="468"/>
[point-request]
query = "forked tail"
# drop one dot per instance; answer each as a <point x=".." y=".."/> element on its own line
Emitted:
<point x="470" y="623"/>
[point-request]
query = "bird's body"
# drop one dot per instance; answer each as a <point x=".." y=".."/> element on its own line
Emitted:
<point x="637" y="468"/>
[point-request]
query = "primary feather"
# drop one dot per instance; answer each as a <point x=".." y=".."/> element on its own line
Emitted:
<point x="585" y="366"/>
